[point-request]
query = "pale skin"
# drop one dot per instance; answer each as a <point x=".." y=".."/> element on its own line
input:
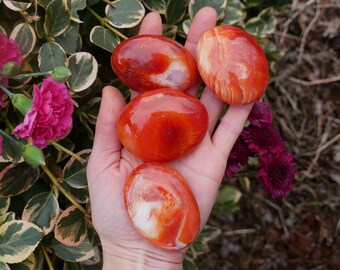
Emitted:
<point x="110" y="164"/>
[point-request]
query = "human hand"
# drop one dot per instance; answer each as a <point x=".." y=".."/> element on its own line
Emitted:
<point x="110" y="164"/>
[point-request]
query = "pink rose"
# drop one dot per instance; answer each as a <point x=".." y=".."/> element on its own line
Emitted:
<point x="9" y="52"/>
<point x="50" y="117"/>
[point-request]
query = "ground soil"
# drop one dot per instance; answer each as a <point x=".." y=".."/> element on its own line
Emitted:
<point x="302" y="230"/>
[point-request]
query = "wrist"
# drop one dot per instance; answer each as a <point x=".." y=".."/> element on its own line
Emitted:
<point x="140" y="258"/>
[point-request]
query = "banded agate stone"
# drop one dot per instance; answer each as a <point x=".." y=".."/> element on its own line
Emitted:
<point x="161" y="206"/>
<point x="148" y="62"/>
<point x="232" y="64"/>
<point x="162" y="125"/>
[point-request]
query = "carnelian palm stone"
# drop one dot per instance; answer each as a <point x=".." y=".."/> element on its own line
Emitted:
<point x="148" y="62"/>
<point x="161" y="206"/>
<point x="162" y="125"/>
<point x="232" y="64"/>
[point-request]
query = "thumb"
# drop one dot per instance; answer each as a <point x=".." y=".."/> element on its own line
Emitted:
<point x="106" y="140"/>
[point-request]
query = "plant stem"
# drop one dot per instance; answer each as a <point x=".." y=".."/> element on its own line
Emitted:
<point x="4" y="134"/>
<point x="27" y="75"/>
<point x="8" y="123"/>
<point x="105" y="23"/>
<point x="70" y="153"/>
<point x="8" y="93"/>
<point x="47" y="258"/>
<point x="61" y="189"/>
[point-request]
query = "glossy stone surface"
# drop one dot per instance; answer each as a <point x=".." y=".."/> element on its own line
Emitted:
<point x="232" y="64"/>
<point x="161" y="206"/>
<point x="162" y="125"/>
<point x="150" y="62"/>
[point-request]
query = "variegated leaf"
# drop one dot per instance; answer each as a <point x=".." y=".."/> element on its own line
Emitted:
<point x="218" y="5"/>
<point x="24" y="35"/>
<point x="80" y="194"/>
<point x="17" y="5"/>
<point x="79" y="253"/>
<point x="235" y="12"/>
<point x="84" y="68"/>
<point x="44" y="3"/>
<point x="175" y="10"/>
<point x="57" y="18"/>
<point x="3" y="31"/>
<point x="51" y="55"/>
<point x="72" y="266"/>
<point x="186" y="26"/>
<point x="42" y="210"/>
<point x="11" y="149"/>
<point x="155" y="5"/>
<point x="104" y="38"/>
<point x="29" y="264"/>
<point x="189" y="263"/>
<point x="170" y="30"/>
<point x="4" y="205"/>
<point x="18" y="239"/>
<point x="69" y="38"/>
<point x="4" y="266"/>
<point x="17" y="178"/>
<point x="9" y="216"/>
<point x="71" y="228"/>
<point x="74" y="172"/>
<point x="125" y="14"/>
<point x="74" y="6"/>
<point x="263" y="25"/>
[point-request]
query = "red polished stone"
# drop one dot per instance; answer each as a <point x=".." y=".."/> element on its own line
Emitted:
<point x="161" y="206"/>
<point x="150" y="62"/>
<point x="232" y="64"/>
<point x="162" y="125"/>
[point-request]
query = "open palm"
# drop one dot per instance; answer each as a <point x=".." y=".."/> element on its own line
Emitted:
<point x="203" y="168"/>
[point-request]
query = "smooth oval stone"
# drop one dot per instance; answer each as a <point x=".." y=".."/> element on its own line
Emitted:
<point x="148" y="62"/>
<point x="162" y="125"/>
<point x="232" y="64"/>
<point x="161" y="206"/>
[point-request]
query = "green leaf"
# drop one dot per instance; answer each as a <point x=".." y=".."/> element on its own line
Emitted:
<point x="104" y="38"/>
<point x="228" y="194"/>
<point x="4" y="205"/>
<point x="170" y="30"/>
<point x="84" y="68"/>
<point x="218" y="5"/>
<point x="51" y="55"/>
<point x="175" y="10"/>
<point x="74" y="172"/>
<point x="74" y="6"/>
<point x="4" y="266"/>
<point x="189" y="263"/>
<point x="17" y="178"/>
<point x="155" y="5"/>
<point x="125" y="14"/>
<point x="263" y="25"/>
<point x="42" y="210"/>
<point x="25" y="36"/>
<point x="71" y="228"/>
<point x="9" y="216"/>
<point x="68" y="39"/>
<point x="18" y="239"/>
<point x="79" y="253"/>
<point x="200" y="245"/>
<point x="57" y="18"/>
<point x="235" y="12"/>
<point x="17" y="5"/>
<point x="44" y="3"/>
<point x="29" y="264"/>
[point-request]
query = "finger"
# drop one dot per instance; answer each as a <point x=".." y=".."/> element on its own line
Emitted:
<point x="106" y="137"/>
<point x="214" y="107"/>
<point x="230" y="128"/>
<point x="204" y="20"/>
<point x="151" y="25"/>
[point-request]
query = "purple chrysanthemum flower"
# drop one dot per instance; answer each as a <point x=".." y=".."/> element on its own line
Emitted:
<point x="238" y="157"/>
<point x="260" y="114"/>
<point x="264" y="139"/>
<point x="277" y="173"/>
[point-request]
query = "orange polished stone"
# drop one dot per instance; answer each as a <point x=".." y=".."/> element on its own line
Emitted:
<point x="232" y="64"/>
<point x="148" y="62"/>
<point x="161" y="206"/>
<point x="162" y="125"/>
